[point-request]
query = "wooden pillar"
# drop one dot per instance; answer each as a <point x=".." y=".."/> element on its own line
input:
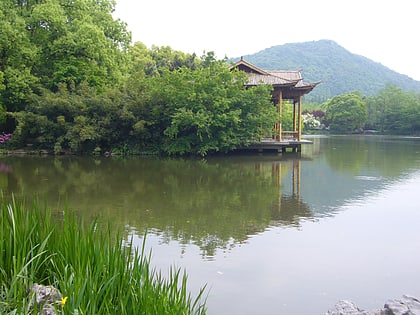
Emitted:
<point x="300" y="118"/>
<point x="280" y="110"/>
<point x="294" y="175"/>
<point x="294" y="116"/>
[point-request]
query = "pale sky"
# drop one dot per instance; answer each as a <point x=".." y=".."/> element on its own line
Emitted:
<point x="384" y="31"/>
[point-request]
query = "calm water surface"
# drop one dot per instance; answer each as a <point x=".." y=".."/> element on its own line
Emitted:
<point x="268" y="234"/>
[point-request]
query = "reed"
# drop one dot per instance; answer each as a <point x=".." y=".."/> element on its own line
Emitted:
<point x="93" y="268"/>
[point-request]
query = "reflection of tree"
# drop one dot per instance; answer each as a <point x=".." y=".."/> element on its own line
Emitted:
<point x="400" y="155"/>
<point x="345" y="155"/>
<point x="7" y="180"/>
<point x="211" y="203"/>
<point x="350" y="154"/>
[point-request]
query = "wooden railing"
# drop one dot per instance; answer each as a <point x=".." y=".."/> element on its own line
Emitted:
<point x="289" y="135"/>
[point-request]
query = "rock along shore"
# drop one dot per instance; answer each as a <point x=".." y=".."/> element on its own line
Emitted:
<point x="407" y="305"/>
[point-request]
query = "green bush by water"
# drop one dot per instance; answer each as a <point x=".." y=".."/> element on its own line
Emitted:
<point x="94" y="269"/>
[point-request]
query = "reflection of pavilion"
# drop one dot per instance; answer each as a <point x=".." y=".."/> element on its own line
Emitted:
<point x="289" y="209"/>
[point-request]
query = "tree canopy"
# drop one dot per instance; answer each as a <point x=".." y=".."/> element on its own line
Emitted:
<point x="48" y="42"/>
<point x="394" y="111"/>
<point x="346" y="112"/>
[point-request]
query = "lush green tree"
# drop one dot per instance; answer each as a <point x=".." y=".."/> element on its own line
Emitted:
<point x="55" y="41"/>
<point x="45" y="121"/>
<point x="64" y="46"/>
<point x="165" y="57"/>
<point x="80" y="42"/>
<point x="394" y="111"/>
<point x="2" y="117"/>
<point x="208" y="109"/>
<point x="287" y="115"/>
<point x="346" y="112"/>
<point x="78" y="120"/>
<point x="17" y="57"/>
<point x="140" y="62"/>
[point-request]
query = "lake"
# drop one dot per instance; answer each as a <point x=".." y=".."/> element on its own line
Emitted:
<point x="268" y="234"/>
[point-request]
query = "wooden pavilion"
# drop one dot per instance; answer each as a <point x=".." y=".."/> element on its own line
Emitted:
<point x="287" y="85"/>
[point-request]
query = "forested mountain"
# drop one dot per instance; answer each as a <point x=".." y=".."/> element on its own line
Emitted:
<point x="339" y="70"/>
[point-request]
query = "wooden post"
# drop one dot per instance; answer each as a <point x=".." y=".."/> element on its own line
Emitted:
<point x="300" y="118"/>
<point x="294" y="179"/>
<point x="280" y="114"/>
<point x="294" y="116"/>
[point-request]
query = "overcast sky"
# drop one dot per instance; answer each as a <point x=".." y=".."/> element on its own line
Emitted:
<point x="384" y="31"/>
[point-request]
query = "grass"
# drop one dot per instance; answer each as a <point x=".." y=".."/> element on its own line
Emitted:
<point x="93" y="268"/>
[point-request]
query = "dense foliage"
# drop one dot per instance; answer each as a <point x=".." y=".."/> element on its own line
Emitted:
<point x="346" y="112"/>
<point x="71" y="81"/>
<point x="205" y="110"/>
<point x="44" y="43"/>
<point x="394" y="111"/>
<point x="181" y="111"/>
<point x="339" y="70"/>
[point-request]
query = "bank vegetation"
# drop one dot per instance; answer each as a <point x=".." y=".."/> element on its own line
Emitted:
<point x="96" y="270"/>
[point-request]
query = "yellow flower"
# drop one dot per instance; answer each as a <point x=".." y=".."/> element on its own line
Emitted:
<point x="64" y="300"/>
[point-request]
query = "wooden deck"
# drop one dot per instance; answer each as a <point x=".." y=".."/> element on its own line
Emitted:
<point x="271" y="145"/>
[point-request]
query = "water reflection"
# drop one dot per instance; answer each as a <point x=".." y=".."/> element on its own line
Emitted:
<point x="205" y="202"/>
<point x="217" y="202"/>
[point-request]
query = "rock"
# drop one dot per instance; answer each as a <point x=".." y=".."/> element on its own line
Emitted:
<point x="407" y="305"/>
<point x="47" y="298"/>
<point x="344" y="307"/>
<point x="349" y="308"/>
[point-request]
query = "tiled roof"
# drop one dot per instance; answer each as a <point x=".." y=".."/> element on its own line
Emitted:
<point x="256" y="79"/>
<point x="292" y="75"/>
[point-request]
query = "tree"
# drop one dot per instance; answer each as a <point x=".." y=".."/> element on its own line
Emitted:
<point x="78" y="120"/>
<point x="346" y="112"/>
<point x="165" y="57"/>
<point x="394" y="111"/>
<point x="58" y="41"/>
<point x="208" y="109"/>
<point x="287" y="115"/>
<point x="80" y="41"/>
<point x="17" y="57"/>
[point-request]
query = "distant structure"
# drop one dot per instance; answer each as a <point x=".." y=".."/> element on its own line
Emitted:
<point x="287" y="85"/>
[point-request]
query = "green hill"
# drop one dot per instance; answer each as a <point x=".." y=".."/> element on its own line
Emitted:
<point x="339" y="70"/>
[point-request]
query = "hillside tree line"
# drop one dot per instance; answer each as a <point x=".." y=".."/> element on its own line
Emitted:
<point x="391" y="111"/>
